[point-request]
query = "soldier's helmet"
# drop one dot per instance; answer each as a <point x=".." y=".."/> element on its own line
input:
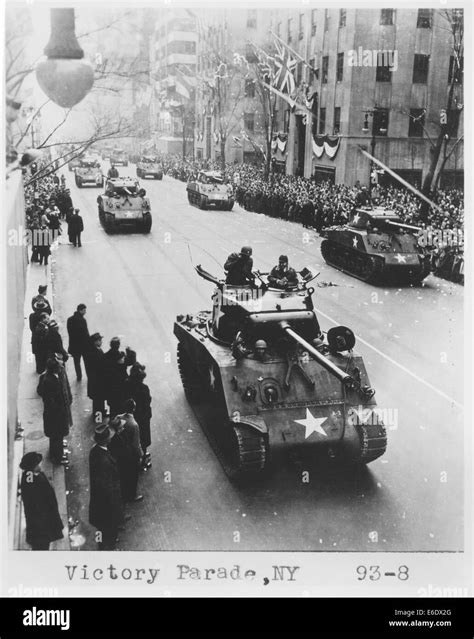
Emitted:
<point x="246" y="250"/>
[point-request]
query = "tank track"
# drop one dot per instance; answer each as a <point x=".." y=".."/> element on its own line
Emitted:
<point x="373" y="441"/>
<point x="364" y="267"/>
<point x="251" y="452"/>
<point x="192" y="387"/>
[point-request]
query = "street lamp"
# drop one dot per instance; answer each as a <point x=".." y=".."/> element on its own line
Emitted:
<point x="381" y="130"/>
<point x="64" y="76"/>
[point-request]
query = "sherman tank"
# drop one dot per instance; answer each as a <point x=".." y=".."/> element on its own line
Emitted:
<point x="89" y="171"/>
<point x="262" y="376"/>
<point x="124" y="206"/>
<point x="148" y="167"/>
<point x="375" y="246"/>
<point x="209" y="189"/>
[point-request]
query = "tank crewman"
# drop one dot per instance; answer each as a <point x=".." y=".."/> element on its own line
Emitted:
<point x="113" y="172"/>
<point x="282" y="275"/>
<point x="238" y="268"/>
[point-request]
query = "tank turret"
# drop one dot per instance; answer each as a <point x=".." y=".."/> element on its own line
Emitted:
<point x="261" y="375"/>
<point x="375" y="246"/>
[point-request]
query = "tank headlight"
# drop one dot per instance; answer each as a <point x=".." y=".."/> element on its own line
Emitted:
<point x="271" y="394"/>
<point x="250" y="393"/>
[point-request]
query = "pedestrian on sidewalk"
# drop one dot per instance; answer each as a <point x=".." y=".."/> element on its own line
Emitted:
<point x="39" y="310"/>
<point x="54" y="341"/>
<point x="105" y="507"/>
<point x="39" y="342"/>
<point x="115" y="375"/>
<point x="41" y="297"/>
<point x="57" y="417"/>
<point x="94" y="364"/>
<point x="75" y="228"/>
<point x="125" y="446"/>
<point x="44" y="248"/>
<point x="78" y="337"/>
<point x="136" y="389"/>
<point x="43" y="522"/>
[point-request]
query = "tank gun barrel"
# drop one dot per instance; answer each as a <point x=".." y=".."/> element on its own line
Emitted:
<point x="343" y="377"/>
<point x="404" y="226"/>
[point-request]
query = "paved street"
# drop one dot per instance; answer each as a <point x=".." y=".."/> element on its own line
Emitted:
<point x="412" y="343"/>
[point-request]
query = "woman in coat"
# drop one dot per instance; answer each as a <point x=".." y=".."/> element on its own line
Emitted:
<point x="136" y="389"/>
<point x="43" y="522"/>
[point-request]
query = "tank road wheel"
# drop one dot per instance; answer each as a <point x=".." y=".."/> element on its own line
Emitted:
<point x="190" y="198"/>
<point x="189" y="376"/>
<point x="202" y="202"/>
<point x="101" y="215"/>
<point x="245" y="451"/>
<point x="230" y="206"/>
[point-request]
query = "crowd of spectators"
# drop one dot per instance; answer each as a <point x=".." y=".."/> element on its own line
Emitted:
<point x="321" y="204"/>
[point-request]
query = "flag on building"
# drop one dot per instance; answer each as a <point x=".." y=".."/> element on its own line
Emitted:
<point x="284" y="80"/>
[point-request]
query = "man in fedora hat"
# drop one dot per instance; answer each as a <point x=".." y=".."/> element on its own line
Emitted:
<point x="43" y="522"/>
<point x="57" y="417"/>
<point x="105" y="507"/>
<point x="78" y="337"/>
<point x="41" y="297"/>
<point x="94" y="363"/>
<point x="125" y="446"/>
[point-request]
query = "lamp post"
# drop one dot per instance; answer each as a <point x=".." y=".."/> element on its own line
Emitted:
<point x="64" y="76"/>
<point x="369" y="113"/>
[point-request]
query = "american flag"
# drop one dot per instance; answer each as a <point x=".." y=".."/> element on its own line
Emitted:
<point x="285" y="66"/>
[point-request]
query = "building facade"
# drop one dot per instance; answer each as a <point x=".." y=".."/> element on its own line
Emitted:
<point x="382" y="83"/>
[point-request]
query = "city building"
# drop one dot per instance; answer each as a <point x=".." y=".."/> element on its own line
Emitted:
<point x="382" y="83"/>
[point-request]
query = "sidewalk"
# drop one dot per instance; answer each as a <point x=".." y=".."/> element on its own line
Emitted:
<point x="30" y="416"/>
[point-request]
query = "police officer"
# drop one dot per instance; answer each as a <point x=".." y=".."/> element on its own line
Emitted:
<point x="282" y="276"/>
<point x="238" y="268"/>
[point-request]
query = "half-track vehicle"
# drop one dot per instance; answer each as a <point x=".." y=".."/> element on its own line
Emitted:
<point x="148" y="166"/>
<point x="209" y="189"/>
<point x="124" y="205"/>
<point x="261" y="376"/>
<point x="89" y="171"/>
<point x="376" y="246"/>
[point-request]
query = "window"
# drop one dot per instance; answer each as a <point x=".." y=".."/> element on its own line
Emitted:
<point x="420" y="68"/>
<point x="310" y="74"/>
<point x="325" y="66"/>
<point x="251" y="19"/>
<point x="417" y="122"/>
<point x="380" y="122"/>
<point x="342" y="17"/>
<point x="456" y="70"/>
<point x="249" y="121"/>
<point x="424" y="19"/>
<point x="288" y="29"/>
<point x="301" y="26"/>
<point x="382" y="73"/>
<point x="326" y="19"/>
<point x="453" y="122"/>
<point x="299" y="73"/>
<point x="337" y="121"/>
<point x="322" y="121"/>
<point x="386" y="16"/>
<point x="313" y="22"/>
<point x="249" y="88"/>
<point x="340" y="67"/>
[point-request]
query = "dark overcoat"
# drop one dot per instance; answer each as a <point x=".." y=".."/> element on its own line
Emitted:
<point x="43" y="522"/>
<point x="105" y="507"/>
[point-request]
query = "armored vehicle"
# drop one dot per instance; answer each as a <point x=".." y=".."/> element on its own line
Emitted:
<point x="124" y="206"/>
<point x="118" y="156"/>
<point x="209" y="190"/>
<point x="74" y="163"/>
<point x="376" y="246"/>
<point x="149" y="167"/>
<point x="261" y="375"/>
<point x="89" y="171"/>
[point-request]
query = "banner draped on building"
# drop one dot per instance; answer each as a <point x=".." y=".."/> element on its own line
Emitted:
<point x="326" y="144"/>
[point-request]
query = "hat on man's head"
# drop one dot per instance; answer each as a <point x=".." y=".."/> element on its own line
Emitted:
<point x="53" y="324"/>
<point x="39" y="305"/>
<point x="30" y="461"/>
<point x="102" y="434"/>
<point x="81" y="307"/>
<point x="246" y="250"/>
<point x="42" y="288"/>
<point x="283" y="258"/>
<point x="96" y="336"/>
